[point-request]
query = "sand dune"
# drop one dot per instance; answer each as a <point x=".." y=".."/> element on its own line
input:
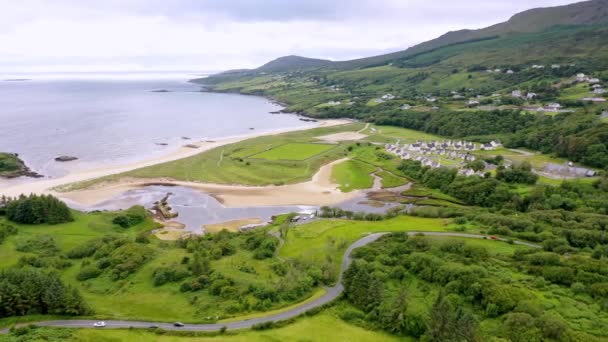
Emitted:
<point x="318" y="191"/>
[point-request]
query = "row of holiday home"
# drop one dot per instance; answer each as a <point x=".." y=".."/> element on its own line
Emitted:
<point x="458" y="145"/>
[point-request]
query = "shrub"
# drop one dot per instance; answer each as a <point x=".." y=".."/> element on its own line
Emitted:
<point x="169" y="274"/>
<point x="131" y="217"/>
<point x="88" y="272"/>
<point x="43" y="245"/>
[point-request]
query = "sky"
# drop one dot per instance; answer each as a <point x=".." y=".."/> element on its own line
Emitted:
<point x="215" y="35"/>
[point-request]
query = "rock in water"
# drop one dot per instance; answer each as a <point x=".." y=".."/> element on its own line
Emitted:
<point x="65" y="158"/>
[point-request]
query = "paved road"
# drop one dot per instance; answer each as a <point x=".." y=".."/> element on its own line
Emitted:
<point x="331" y="294"/>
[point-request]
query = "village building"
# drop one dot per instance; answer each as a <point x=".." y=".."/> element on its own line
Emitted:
<point x="599" y="91"/>
<point x="581" y="77"/>
<point x="473" y="103"/>
<point x="594" y="80"/>
<point x="516" y="93"/>
<point x="457" y="96"/>
<point x="531" y="96"/>
<point x="510" y="72"/>
<point x="555" y="66"/>
<point x="538" y="66"/>
<point x="554" y="106"/>
<point x="593" y="99"/>
<point x="487" y="147"/>
<point x="431" y="99"/>
<point x="405" y="107"/>
<point x="388" y="97"/>
<point x="568" y="170"/>
<point x="333" y="103"/>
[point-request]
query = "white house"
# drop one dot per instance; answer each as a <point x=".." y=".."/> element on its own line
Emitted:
<point x="497" y="70"/>
<point x="599" y="91"/>
<point x="531" y="96"/>
<point x="457" y="97"/>
<point x="594" y="80"/>
<point x="555" y="66"/>
<point x="487" y="147"/>
<point x="538" y="66"/>
<point x="510" y="71"/>
<point x="581" y="77"/>
<point x="333" y="103"/>
<point x="431" y="99"/>
<point x="554" y="106"/>
<point x="473" y="103"/>
<point x="516" y="93"/>
<point x="596" y="86"/>
<point x="388" y="97"/>
<point x="405" y="107"/>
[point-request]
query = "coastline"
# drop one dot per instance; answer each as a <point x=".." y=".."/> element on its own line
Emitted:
<point x="45" y="186"/>
<point x="318" y="191"/>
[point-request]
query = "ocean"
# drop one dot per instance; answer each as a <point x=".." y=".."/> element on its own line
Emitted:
<point x="107" y="119"/>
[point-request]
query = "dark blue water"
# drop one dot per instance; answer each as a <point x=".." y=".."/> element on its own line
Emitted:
<point x="108" y="119"/>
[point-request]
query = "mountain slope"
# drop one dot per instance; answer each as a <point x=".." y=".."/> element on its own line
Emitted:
<point x="593" y="12"/>
<point x="288" y="63"/>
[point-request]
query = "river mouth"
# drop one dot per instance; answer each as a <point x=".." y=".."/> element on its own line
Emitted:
<point x="196" y="209"/>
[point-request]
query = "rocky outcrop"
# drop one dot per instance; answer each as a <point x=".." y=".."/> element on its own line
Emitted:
<point x="64" y="159"/>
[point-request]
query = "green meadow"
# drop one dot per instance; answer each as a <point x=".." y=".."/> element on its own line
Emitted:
<point x="294" y="151"/>
<point x="256" y="161"/>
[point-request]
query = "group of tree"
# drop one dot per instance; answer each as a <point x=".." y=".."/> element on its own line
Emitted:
<point x="467" y="291"/>
<point x="37" y="209"/>
<point x="29" y="291"/>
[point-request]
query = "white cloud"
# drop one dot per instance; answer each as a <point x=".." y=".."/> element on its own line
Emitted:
<point x="215" y="35"/>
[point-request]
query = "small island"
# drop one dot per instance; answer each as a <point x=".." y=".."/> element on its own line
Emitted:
<point x="160" y="91"/>
<point x="12" y="167"/>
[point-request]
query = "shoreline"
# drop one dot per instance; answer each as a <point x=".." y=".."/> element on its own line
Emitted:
<point x="318" y="191"/>
<point x="45" y="186"/>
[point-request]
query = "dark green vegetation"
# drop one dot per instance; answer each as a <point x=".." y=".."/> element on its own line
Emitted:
<point x="29" y="291"/>
<point x="35" y="209"/>
<point x="458" y="291"/>
<point x="575" y="37"/>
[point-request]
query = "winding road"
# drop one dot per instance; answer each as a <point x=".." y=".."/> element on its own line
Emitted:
<point x="331" y="294"/>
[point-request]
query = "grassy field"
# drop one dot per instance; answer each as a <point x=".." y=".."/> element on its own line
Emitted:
<point x="390" y="134"/>
<point x="319" y="240"/>
<point x="136" y="296"/>
<point x="294" y="151"/>
<point x="352" y="175"/>
<point x="390" y="180"/>
<point x="230" y="164"/>
<point x="67" y="235"/>
<point x="321" y="327"/>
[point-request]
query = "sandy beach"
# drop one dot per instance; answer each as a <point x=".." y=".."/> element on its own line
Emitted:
<point x="318" y="191"/>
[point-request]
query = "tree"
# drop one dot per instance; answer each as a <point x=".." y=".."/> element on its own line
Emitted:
<point x="394" y="319"/>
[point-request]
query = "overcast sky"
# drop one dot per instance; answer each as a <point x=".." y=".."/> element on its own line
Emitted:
<point x="210" y="35"/>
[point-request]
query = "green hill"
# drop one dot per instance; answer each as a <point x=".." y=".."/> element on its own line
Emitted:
<point x="289" y="63"/>
<point x="537" y="51"/>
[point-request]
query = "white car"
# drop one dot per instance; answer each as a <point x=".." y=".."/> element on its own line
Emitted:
<point x="99" y="324"/>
